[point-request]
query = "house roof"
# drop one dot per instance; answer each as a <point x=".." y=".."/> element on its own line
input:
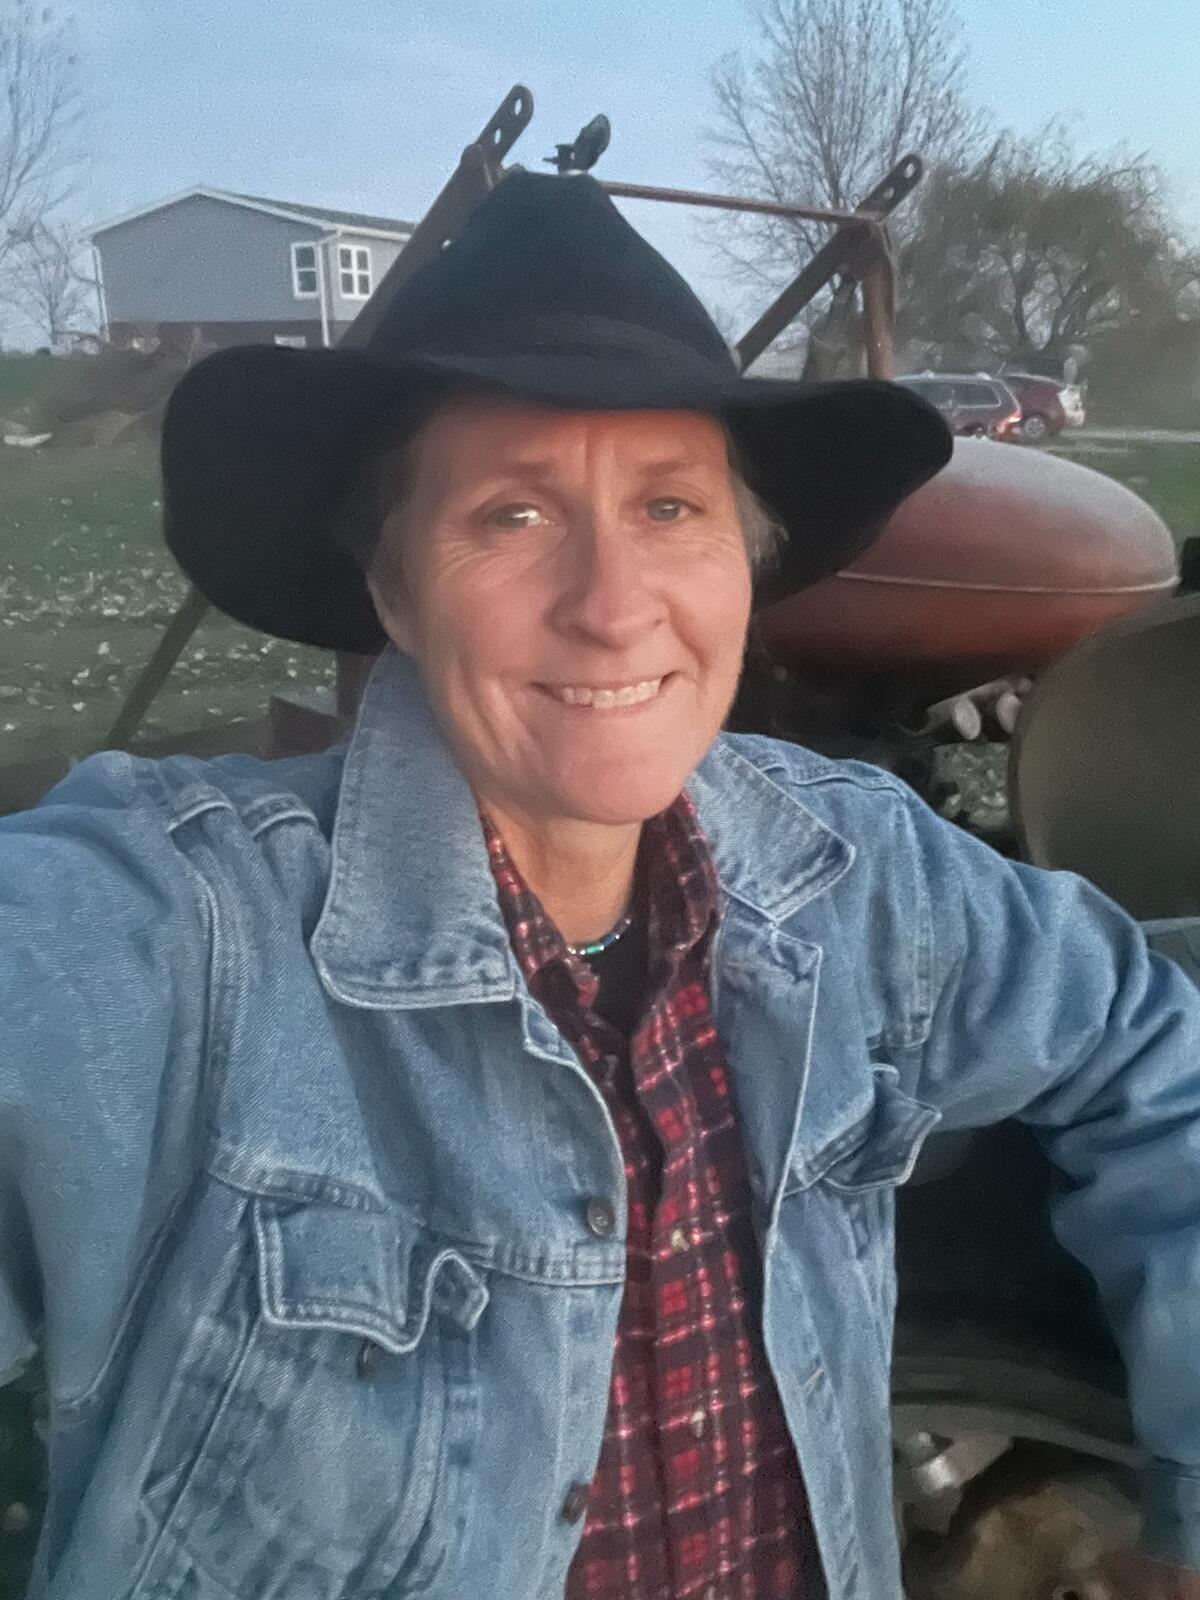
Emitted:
<point x="340" y="219"/>
<point x="334" y="221"/>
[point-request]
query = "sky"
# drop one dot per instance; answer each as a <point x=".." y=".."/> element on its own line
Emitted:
<point x="367" y="103"/>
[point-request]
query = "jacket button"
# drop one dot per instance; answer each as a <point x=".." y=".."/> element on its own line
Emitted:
<point x="371" y="1357"/>
<point x="575" y="1503"/>
<point x="601" y="1218"/>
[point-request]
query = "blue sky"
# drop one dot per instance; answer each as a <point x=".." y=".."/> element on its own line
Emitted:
<point x="366" y="103"/>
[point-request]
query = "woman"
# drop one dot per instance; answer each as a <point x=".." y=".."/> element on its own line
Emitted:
<point x="462" y="1163"/>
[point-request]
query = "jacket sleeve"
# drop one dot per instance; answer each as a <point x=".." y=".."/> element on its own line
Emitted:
<point x="1048" y="1005"/>
<point x="102" y="978"/>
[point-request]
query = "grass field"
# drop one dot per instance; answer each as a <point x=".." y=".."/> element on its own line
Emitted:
<point x="86" y="588"/>
<point x="25" y="380"/>
<point x="1167" y="475"/>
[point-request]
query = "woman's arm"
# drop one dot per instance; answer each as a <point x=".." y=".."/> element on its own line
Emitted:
<point x="102" y="1007"/>
<point x="1049" y="1006"/>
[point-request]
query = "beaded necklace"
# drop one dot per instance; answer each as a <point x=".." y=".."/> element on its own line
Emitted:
<point x="598" y="946"/>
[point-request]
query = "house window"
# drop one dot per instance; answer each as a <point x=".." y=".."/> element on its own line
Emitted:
<point x="304" y="271"/>
<point x="354" y="271"/>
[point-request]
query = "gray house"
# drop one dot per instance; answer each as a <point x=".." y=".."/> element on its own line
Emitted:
<point x="237" y="269"/>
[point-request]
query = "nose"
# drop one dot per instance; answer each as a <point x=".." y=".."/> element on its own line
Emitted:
<point x="607" y="593"/>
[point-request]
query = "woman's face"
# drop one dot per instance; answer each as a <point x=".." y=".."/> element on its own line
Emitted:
<point x="575" y="589"/>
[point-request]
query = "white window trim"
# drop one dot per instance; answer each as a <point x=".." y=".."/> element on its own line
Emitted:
<point x="297" y="292"/>
<point x="356" y="271"/>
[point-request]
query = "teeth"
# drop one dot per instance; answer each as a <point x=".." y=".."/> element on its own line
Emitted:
<point x="630" y="694"/>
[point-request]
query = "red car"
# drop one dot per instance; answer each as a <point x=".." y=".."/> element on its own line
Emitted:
<point x="1047" y="407"/>
<point x="974" y="405"/>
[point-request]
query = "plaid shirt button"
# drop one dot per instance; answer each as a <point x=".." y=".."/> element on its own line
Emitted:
<point x="698" y="1421"/>
<point x="680" y="1242"/>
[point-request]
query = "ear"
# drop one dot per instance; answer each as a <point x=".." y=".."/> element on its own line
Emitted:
<point x="393" y="606"/>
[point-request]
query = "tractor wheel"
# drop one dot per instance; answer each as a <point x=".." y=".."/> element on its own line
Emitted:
<point x="1026" y="1531"/>
<point x="1014" y="1467"/>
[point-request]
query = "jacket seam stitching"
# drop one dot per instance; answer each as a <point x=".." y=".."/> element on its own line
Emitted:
<point x="68" y="1406"/>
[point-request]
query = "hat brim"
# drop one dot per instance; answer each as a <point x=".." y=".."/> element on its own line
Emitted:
<point x="259" y="442"/>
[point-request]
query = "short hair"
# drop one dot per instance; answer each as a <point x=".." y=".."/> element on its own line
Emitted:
<point x="762" y="530"/>
<point x="375" y="491"/>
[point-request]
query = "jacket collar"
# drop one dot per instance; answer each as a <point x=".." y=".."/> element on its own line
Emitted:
<point x="411" y="916"/>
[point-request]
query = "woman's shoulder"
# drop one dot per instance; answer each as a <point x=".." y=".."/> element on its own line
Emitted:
<point x="871" y="809"/>
<point x="119" y="828"/>
<point x="167" y="792"/>
<point x="819" y="779"/>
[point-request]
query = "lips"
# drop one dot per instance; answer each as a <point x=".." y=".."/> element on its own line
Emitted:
<point x="604" y="697"/>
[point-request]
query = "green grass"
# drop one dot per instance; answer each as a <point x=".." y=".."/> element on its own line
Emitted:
<point x="86" y="588"/>
<point x="25" y="381"/>
<point x="1167" y="475"/>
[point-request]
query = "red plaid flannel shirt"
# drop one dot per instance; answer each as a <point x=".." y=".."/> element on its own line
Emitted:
<point x="698" y="1491"/>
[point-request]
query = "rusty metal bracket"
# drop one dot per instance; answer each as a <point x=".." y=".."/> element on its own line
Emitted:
<point x="729" y="202"/>
<point x="191" y="613"/>
<point x="858" y="249"/>
<point x="479" y="170"/>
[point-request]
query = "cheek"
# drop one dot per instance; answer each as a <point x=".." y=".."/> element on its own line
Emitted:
<point x="470" y="626"/>
<point x="714" y="610"/>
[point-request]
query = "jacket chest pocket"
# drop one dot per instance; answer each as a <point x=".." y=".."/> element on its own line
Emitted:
<point x="842" y="1197"/>
<point x="308" y="1438"/>
<point x="863" y="1166"/>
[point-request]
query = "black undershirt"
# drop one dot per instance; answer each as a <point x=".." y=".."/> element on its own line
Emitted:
<point x="621" y="971"/>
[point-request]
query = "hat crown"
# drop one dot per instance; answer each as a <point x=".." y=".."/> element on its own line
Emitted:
<point x="547" y="260"/>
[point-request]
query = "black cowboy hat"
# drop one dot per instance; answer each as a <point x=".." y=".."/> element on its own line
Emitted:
<point x="550" y="296"/>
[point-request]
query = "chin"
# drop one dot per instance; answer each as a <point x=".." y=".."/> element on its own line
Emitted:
<point x="621" y="804"/>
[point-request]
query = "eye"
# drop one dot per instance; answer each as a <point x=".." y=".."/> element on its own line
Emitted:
<point x="666" y="508"/>
<point x="517" y="515"/>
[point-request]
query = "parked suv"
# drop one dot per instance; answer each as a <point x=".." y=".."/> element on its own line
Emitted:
<point x="1047" y="407"/>
<point x="971" y="404"/>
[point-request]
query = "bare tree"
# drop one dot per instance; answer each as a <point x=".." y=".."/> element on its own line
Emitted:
<point x="835" y="92"/>
<point x="39" y="108"/>
<point x="1034" y="249"/>
<point x="48" y="285"/>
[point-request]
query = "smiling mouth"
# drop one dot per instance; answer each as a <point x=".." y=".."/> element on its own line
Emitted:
<point x="605" y="697"/>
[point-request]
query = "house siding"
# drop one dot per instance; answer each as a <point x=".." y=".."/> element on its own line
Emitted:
<point x="204" y="261"/>
<point x="225" y="270"/>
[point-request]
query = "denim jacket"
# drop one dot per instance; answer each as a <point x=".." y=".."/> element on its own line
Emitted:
<point x="294" y="1173"/>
